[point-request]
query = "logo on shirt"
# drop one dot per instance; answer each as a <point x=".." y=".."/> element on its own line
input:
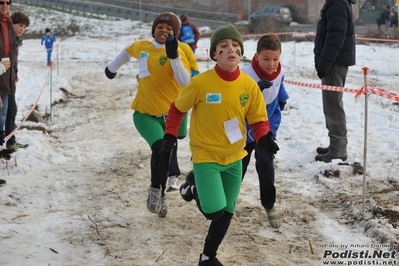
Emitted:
<point x="243" y="99"/>
<point x="144" y="55"/>
<point x="163" y="59"/>
<point x="213" y="98"/>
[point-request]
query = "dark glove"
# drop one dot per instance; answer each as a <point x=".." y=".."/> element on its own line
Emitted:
<point x="264" y="84"/>
<point x="109" y="74"/>
<point x="166" y="150"/>
<point x="321" y="75"/>
<point x="282" y="105"/>
<point x="18" y="40"/>
<point x="267" y="143"/>
<point x="171" y="46"/>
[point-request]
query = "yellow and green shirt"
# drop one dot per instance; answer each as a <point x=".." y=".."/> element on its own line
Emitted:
<point x="215" y="101"/>
<point x="188" y="52"/>
<point x="157" y="88"/>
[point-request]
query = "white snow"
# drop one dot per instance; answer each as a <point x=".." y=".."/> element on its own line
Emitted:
<point x="76" y="195"/>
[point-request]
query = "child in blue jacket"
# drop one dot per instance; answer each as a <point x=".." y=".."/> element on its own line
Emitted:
<point x="267" y="71"/>
<point x="48" y="39"/>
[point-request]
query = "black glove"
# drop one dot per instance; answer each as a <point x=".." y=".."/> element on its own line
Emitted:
<point x="171" y="46"/>
<point x="282" y="105"/>
<point x="264" y="84"/>
<point x="166" y="150"/>
<point x="321" y="75"/>
<point x="109" y="74"/>
<point x="18" y="40"/>
<point x="267" y="143"/>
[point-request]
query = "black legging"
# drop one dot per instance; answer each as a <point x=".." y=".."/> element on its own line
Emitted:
<point x="217" y="229"/>
<point x="216" y="232"/>
<point x="265" y="169"/>
<point x="173" y="165"/>
<point x="158" y="177"/>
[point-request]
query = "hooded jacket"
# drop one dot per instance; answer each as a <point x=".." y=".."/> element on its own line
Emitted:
<point x="335" y="36"/>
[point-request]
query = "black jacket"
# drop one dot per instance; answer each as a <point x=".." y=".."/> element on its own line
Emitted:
<point x="335" y="41"/>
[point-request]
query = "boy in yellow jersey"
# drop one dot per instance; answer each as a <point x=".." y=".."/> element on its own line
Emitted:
<point x="174" y="170"/>
<point x="220" y="99"/>
<point x="163" y="71"/>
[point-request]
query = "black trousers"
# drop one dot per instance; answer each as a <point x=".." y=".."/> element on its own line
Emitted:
<point x="10" y="118"/>
<point x="265" y="169"/>
<point x="173" y="164"/>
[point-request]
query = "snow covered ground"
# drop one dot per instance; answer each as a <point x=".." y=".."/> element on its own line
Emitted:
<point x="76" y="195"/>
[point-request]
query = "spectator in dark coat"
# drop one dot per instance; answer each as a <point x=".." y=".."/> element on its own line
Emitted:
<point x="7" y="53"/>
<point x="21" y="21"/>
<point x="384" y="18"/>
<point x="393" y="16"/>
<point x="334" y="51"/>
<point x="387" y="18"/>
<point x="191" y="35"/>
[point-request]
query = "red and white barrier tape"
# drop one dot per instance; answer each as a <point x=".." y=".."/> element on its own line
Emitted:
<point x="313" y="34"/>
<point x="364" y="90"/>
<point x="31" y="110"/>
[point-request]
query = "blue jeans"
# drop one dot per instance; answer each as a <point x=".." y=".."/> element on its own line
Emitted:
<point x="3" y="112"/>
<point x="49" y="51"/>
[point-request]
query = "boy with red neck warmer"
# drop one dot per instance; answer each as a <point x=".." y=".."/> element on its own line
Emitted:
<point x="267" y="71"/>
<point x="220" y="99"/>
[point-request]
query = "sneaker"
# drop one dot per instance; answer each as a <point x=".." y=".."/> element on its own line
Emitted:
<point x="16" y="146"/>
<point x="211" y="262"/>
<point x="164" y="208"/>
<point x="2" y="182"/>
<point x="273" y="217"/>
<point x="173" y="183"/>
<point x="185" y="188"/>
<point x="154" y="199"/>
<point x="322" y="150"/>
<point x="328" y="157"/>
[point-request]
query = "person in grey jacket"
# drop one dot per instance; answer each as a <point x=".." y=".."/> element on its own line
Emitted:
<point x="334" y="51"/>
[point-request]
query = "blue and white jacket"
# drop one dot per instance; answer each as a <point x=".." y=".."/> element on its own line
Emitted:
<point x="272" y="96"/>
<point x="48" y="40"/>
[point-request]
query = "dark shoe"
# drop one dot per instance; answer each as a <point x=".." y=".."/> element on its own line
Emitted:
<point x="164" y="208"/>
<point x="154" y="199"/>
<point x="211" y="262"/>
<point x="328" y="157"/>
<point x="2" y="182"/>
<point x="8" y="150"/>
<point x="322" y="150"/>
<point x="16" y="145"/>
<point x="185" y="188"/>
<point x="6" y="154"/>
